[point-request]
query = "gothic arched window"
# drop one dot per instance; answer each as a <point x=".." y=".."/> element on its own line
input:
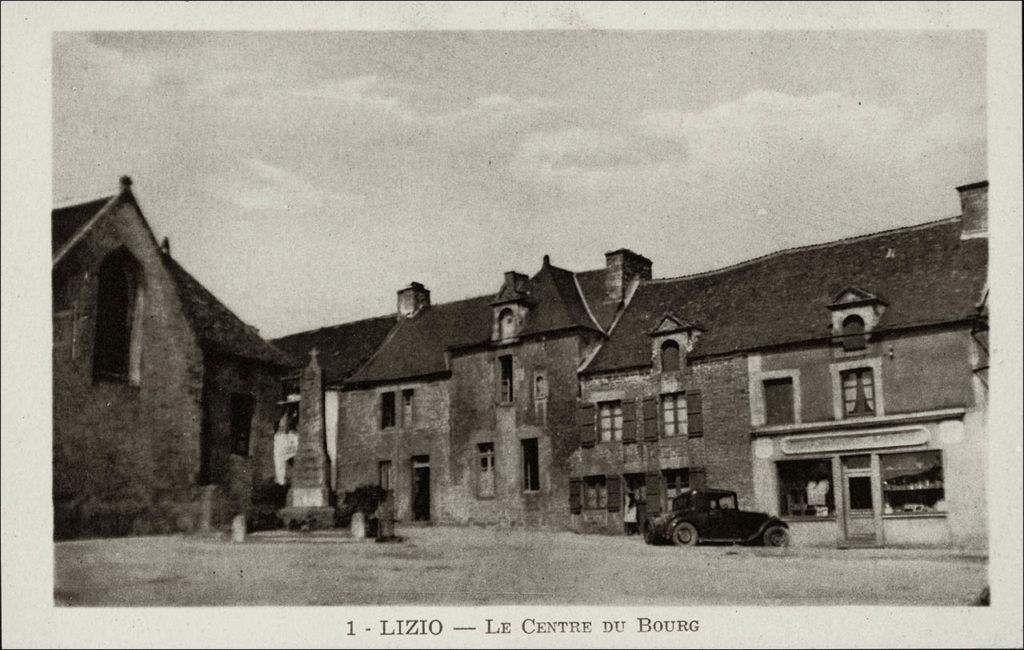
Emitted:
<point x="117" y="348"/>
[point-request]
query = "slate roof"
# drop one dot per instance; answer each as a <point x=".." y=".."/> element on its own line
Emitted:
<point x="216" y="326"/>
<point x="342" y="348"/>
<point x="417" y="346"/>
<point x="67" y="221"/>
<point x="926" y="274"/>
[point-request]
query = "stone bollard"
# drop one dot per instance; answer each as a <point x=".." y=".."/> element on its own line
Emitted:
<point x="358" y="525"/>
<point x="238" y="529"/>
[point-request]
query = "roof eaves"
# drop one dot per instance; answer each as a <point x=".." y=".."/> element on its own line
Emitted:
<point x="78" y="236"/>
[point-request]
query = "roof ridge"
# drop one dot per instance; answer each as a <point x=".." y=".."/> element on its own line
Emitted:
<point x="335" y="326"/>
<point x="806" y="247"/>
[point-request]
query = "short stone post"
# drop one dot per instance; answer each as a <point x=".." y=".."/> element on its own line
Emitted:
<point x="238" y="529"/>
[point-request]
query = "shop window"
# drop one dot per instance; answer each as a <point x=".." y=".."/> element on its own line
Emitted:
<point x="117" y="349"/>
<point x="677" y="481"/>
<point x="805" y="488"/>
<point x="387" y="410"/>
<point x="778" y="401"/>
<point x="858" y="392"/>
<point x="384" y="477"/>
<point x="673" y="414"/>
<point x="853" y="333"/>
<point x="912" y="482"/>
<point x="609" y="420"/>
<point x="485" y="470"/>
<point x="407" y="414"/>
<point x="242" y="407"/>
<point x="669" y="356"/>
<point x="506" y="389"/>
<point x="531" y="465"/>
<point x="595" y="493"/>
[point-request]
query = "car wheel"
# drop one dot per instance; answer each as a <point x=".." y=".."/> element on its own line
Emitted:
<point x="776" y="536"/>
<point x="684" y="534"/>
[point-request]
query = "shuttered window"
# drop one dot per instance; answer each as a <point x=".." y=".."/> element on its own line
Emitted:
<point x="629" y="421"/>
<point x="694" y="414"/>
<point x="652" y="485"/>
<point x="595" y="493"/>
<point x="585" y="425"/>
<point x="609" y="422"/>
<point x="673" y="414"/>
<point x="575" y="497"/>
<point x="650" y="408"/>
<point x="614" y="485"/>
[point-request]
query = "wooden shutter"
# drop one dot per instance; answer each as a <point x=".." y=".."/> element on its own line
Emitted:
<point x="652" y="492"/>
<point x="575" y="497"/>
<point x="694" y="414"/>
<point x="614" y="487"/>
<point x="585" y="425"/>
<point x="650" y="418"/>
<point x="628" y="421"/>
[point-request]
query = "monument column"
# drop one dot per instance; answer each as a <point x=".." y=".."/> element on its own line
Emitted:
<point x="310" y="484"/>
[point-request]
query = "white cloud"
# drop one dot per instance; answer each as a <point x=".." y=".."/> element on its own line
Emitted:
<point x="260" y="185"/>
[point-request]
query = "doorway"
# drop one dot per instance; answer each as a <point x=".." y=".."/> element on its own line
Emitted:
<point x="636" y="492"/>
<point x="859" y="500"/>
<point x="421" y="488"/>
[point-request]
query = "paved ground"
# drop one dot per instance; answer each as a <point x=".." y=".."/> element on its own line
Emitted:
<point x="474" y="566"/>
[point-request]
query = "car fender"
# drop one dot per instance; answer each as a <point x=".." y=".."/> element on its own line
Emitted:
<point x="768" y="523"/>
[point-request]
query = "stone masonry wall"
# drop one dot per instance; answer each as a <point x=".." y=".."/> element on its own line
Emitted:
<point x="118" y="449"/>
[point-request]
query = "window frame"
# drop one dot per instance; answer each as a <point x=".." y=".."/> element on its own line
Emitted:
<point x="119" y="269"/>
<point x="887" y="510"/>
<point x="385" y="474"/>
<point x="673" y="345"/>
<point x="408" y="408"/>
<point x="863" y="403"/>
<point x="241" y="426"/>
<point x="388" y="417"/>
<point x="675" y="481"/>
<point x="595" y="492"/>
<point x="786" y="486"/>
<point x="679" y="408"/>
<point x="791" y="401"/>
<point x="836" y="370"/>
<point x="531" y="470"/>
<point x="485" y="454"/>
<point x="506" y="379"/>
<point x="610" y="413"/>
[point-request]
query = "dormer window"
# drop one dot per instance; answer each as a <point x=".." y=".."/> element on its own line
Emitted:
<point x="855" y="314"/>
<point x="506" y="324"/>
<point x="853" y="333"/>
<point x="669" y="356"/>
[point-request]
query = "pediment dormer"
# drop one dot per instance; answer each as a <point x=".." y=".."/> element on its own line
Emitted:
<point x="510" y="307"/>
<point x="671" y="339"/>
<point x="855" y="313"/>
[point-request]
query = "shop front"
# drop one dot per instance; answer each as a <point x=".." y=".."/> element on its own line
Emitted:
<point x="904" y="481"/>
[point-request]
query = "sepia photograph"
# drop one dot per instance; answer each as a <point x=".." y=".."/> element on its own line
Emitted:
<point x="569" y="317"/>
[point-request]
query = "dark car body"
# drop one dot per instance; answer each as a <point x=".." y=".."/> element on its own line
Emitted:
<point x="715" y="516"/>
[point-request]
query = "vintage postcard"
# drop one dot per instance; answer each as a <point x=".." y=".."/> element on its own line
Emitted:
<point x="489" y="325"/>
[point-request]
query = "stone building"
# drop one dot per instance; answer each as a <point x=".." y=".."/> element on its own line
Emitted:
<point x="841" y="386"/>
<point x="164" y="402"/>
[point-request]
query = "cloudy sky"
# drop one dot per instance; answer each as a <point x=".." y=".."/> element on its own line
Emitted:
<point x="305" y="177"/>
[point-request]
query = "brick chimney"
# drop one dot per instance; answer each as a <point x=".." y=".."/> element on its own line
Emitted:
<point x="622" y="267"/>
<point x="974" y="209"/>
<point x="411" y="299"/>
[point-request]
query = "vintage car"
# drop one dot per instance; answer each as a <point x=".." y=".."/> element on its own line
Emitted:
<point x="712" y="516"/>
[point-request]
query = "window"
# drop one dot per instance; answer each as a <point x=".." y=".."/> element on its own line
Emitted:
<point x="595" y="493"/>
<point x="384" y="477"/>
<point x="673" y="414"/>
<point x="912" y="482"/>
<point x="540" y="398"/>
<point x="677" y="481"/>
<point x="507" y="385"/>
<point x="531" y="465"/>
<point x="805" y="488"/>
<point x="506" y="324"/>
<point x="669" y="356"/>
<point x="858" y="392"/>
<point x="485" y="471"/>
<point x="117" y="346"/>
<point x="242" y="407"/>
<point x="778" y="401"/>
<point x="387" y="410"/>
<point x="721" y="501"/>
<point x="853" y="333"/>
<point x="407" y="396"/>
<point x="609" y="420"/>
